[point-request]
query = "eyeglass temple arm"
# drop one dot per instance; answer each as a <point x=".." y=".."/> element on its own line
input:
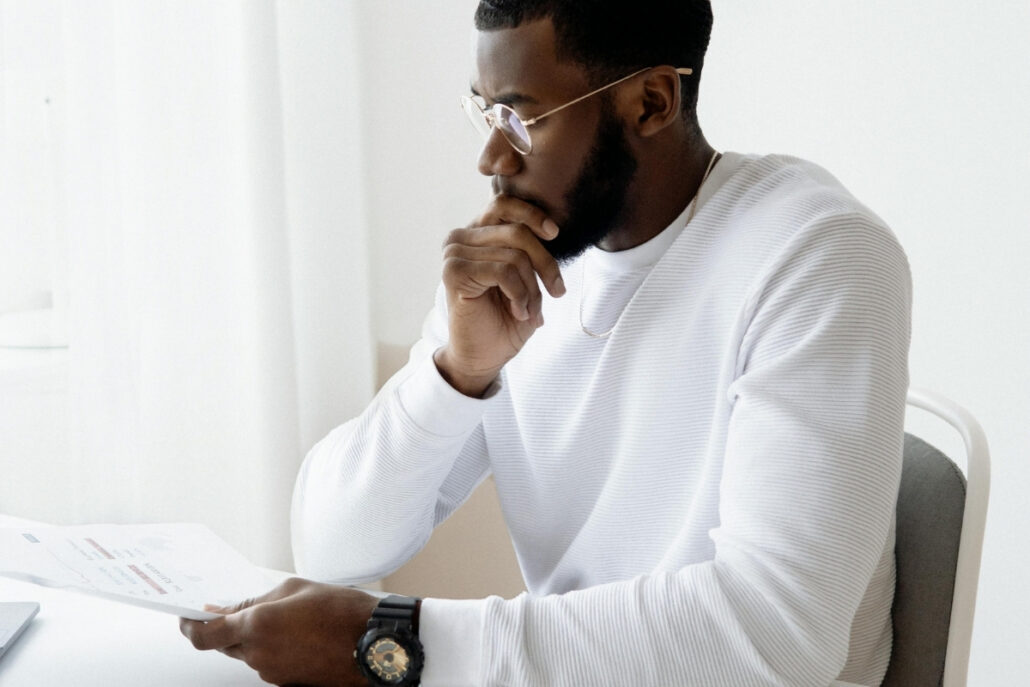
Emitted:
<point x="685" y="71"/>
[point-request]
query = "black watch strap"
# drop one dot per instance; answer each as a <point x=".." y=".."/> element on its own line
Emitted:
<point x="402" y="610"/>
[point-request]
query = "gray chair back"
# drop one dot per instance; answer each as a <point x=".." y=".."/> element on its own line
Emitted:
<point x="931" y="500"/>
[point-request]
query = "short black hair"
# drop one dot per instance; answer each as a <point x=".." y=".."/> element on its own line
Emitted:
<point x="613" y="38"/>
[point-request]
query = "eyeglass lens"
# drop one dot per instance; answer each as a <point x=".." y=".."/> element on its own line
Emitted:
<point x="512" y="128"/>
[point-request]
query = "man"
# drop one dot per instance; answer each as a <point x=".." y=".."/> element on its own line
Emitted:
<point x="685" y="370"/>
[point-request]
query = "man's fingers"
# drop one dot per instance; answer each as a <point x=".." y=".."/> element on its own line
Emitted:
<point x="471" y="271"/>
<point x="219" y="633"/>
<point x="282" y="590"/>
<point x="508" y="209"/>
<point x="240" y="605"/>
<point x="505" y="209"/>
<point x="515" y="236"/>
<point x="227" y="631"/>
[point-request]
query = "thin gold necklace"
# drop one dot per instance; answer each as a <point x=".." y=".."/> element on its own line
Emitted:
<point x="583" y="290"/>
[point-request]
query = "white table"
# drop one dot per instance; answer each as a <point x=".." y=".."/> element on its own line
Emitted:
<point x="82" y="641"/>
<point x="87" y="642"/>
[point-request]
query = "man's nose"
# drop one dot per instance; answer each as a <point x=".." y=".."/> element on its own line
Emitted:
<point x="498" y="157"/>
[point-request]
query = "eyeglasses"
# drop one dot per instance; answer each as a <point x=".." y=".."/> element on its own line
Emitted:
<point x="514" y="128"/>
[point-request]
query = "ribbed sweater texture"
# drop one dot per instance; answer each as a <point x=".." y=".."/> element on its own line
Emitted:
<point x="706" y="497"/>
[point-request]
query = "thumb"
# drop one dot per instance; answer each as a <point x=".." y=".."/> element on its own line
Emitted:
<point x="283" y="590"/>
<point x="213" y="608"/>
<point x="232" y="608"/>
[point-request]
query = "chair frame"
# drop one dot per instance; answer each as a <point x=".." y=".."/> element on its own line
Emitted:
<point x="974" y="518"/>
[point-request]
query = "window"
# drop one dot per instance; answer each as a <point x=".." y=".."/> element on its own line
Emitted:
<point x="33" y="264"/>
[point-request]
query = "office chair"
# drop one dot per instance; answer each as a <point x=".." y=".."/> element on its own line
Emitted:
<point x="940" y="527"/>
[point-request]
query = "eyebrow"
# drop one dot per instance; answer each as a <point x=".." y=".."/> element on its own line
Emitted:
<point x="509" y="99"/>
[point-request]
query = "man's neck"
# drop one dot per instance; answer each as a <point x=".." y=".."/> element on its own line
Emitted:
<point x="662" y="188"/>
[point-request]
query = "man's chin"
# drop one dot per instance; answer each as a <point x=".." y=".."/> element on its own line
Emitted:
<point x="565" y="251"/>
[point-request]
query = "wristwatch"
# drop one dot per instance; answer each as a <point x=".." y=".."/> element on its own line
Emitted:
<point x="389" y="653"/>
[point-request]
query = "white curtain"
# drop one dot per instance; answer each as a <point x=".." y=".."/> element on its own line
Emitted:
<point x="218" y="301"/>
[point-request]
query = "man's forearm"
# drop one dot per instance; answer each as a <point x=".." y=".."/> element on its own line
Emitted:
<point x="367" y="495"/>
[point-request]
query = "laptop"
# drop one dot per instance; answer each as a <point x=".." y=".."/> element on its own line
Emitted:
<point x="15" y="616"/>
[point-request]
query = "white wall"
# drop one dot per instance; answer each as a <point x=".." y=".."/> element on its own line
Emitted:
<point x="921" y="108"/>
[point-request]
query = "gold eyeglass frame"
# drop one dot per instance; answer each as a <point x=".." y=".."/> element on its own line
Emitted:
<point x="493" y="114"/>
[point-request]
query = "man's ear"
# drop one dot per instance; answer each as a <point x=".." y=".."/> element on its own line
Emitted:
<point x="657" y="101"/>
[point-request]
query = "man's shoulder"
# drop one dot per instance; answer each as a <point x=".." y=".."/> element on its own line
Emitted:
<point x="772" y="209"/>
<point x="785" y="180"/>
<point x="781" y="195"/>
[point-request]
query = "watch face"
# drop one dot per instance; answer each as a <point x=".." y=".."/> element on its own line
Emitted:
<point x="388" y="660"/>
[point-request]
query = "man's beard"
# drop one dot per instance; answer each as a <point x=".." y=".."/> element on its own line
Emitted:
<point x="596" y="201"/>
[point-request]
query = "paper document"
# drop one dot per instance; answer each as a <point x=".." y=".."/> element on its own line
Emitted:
<point x="175" y="568"/>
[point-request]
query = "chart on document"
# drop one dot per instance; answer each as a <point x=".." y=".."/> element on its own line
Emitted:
<point x="176" y="568"/>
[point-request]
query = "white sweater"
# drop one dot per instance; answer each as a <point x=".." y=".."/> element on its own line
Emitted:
<point x="704" y="498"/>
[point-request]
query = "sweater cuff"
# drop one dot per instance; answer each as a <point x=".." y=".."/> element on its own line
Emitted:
<point x="451" y="633"/>
<point x="436" y="406"/>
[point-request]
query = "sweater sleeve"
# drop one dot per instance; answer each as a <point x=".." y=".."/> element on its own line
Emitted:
<point x="810" y="476"/>
<point x="368" y="495"/>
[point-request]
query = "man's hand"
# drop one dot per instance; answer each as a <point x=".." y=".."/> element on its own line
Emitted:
<point x="301" y="632"/>
<point x="493" y="299"/>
